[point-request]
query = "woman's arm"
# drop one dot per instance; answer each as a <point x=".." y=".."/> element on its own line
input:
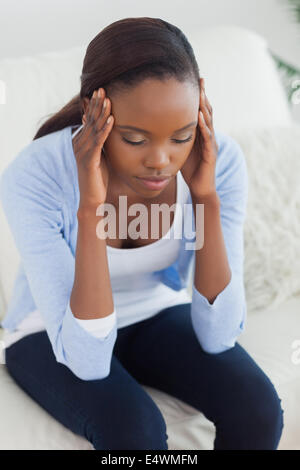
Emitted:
<point x="36" y="214"/>
<point x="212" y="271"/>
<point x="91" y="295"/>
<point x="219" y="307"/>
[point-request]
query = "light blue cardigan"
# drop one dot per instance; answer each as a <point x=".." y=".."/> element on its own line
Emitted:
<point x="40" y="197"/>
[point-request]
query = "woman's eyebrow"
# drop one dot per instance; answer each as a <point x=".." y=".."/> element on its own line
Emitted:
<point x="147" y="132"/>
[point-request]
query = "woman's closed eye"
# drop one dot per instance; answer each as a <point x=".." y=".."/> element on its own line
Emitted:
<point x="175" y="140"/>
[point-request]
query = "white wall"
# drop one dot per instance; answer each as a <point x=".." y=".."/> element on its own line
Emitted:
<point x="32" y="26"/>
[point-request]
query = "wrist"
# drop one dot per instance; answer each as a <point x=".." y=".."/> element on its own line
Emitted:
<point x="211" y="198"/>
<point x="87" y="212"/>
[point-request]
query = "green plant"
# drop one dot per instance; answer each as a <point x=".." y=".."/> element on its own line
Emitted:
<point x="295" y="4"/>
<point x="290" y="74"/>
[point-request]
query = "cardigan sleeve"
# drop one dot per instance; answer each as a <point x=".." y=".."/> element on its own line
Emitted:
<point x="218" y="325"/>
<point x="36" y="220"/>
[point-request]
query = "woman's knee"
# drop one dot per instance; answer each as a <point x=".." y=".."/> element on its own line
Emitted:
<point x="267" y="409"/>
<point x="141" y="428"/>
<point x="258" y="410"/>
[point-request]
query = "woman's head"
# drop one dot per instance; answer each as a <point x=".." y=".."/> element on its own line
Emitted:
<point x="164" y="114"/>
<point x="150" y="74"/>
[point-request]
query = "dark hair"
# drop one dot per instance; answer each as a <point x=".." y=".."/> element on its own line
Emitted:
<point x="122" y="55"/>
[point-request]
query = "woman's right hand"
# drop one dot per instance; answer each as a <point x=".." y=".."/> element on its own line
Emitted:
<point x="88" y="144"/>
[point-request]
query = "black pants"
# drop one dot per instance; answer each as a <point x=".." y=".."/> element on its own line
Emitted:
<point x="163" y="352"/>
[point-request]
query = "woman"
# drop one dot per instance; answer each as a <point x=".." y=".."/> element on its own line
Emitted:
<point x="95" y="317"/>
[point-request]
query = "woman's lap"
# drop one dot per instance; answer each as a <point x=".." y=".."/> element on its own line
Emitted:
<point x="229" y="388"/>
<point x="114" y="413"/>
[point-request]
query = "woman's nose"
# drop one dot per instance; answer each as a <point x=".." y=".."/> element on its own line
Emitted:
<point x="157" y="160"/>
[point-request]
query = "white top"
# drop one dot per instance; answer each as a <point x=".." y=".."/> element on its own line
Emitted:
<point x="137" y="296"/>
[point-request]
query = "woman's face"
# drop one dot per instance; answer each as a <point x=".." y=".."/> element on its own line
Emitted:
<point x="157" y="148"/>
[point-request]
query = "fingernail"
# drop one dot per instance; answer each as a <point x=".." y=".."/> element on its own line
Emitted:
<point x="99" y="92"/>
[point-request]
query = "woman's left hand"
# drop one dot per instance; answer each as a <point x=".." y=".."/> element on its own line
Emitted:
<point x="199" y="168"/>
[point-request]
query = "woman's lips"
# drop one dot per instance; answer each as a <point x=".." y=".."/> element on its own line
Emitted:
<point x="154" y="185"/>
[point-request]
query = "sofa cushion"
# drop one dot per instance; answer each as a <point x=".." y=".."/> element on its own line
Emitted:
<point x="242" y="81"/>
<point x="272" y="227"/>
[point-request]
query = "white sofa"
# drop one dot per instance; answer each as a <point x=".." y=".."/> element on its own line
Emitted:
<point x="249" y="103"/>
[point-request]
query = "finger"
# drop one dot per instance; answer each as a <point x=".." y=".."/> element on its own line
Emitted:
<point x="104" y="114"/>
<point x="201" y="88"/>
<point x="207" y="103"/>
<point x="205" y="111"/>
<point x="205" y="131"/>
<point x="99" y="104"/>
<point x="201" y="83"/>
<point x="91" y="107"/>
<point x="204" y="103"/>
<point x="105" y="130"/>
